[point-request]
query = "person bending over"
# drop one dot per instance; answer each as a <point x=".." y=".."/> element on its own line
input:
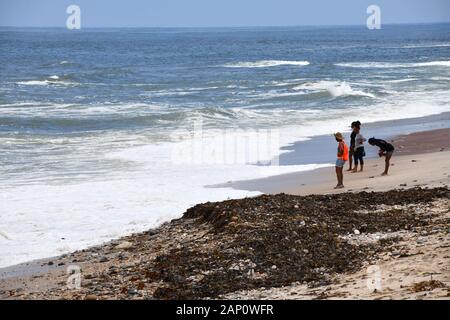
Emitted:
<point x="386" y="150"/>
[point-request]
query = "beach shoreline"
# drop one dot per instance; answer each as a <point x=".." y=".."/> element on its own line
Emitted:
<point x="46" y="278"/>
<point x="420" y="159"/>
<point x="315" y="151"/>
<point x="320" y="149"/>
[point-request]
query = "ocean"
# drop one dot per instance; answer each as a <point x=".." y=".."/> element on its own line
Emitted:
<point x="99" y="128"/>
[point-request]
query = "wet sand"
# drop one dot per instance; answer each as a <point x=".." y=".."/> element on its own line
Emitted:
<point x="423" y="142"/>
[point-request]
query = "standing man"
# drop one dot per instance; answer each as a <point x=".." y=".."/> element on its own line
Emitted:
<point x="352" y="143"/>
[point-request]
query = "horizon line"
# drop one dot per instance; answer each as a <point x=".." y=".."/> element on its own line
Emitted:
<point x="226" y="27"/>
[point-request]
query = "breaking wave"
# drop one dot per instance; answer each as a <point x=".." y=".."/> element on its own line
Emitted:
<point x="390" y="65"/>
<point x="52" y="80"/>
<point x="335" y="88"/>
<point x="266" y="64"/>
<point x="414" y="46"/>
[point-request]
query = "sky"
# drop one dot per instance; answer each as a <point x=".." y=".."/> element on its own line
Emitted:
<point x="218" y="13"/>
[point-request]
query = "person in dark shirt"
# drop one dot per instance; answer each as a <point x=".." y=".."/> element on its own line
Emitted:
<point x="354" y="125"/>
<point x="386" y="150"/>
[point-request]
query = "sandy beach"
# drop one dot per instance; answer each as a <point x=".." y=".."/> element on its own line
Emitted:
<point x="311" y="242"/>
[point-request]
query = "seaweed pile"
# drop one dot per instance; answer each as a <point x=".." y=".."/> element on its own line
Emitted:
<point x="275" y="240"/>
<point x="268" y="241"/>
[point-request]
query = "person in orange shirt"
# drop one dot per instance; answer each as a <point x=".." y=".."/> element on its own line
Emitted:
<point x="342" y="157"/>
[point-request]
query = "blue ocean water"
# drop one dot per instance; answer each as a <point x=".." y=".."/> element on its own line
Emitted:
<point x="87" y="118"/>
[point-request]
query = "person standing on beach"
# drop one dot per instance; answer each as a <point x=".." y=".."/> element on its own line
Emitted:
<point x="342" y="156"/>
<point x="359" y="152"/>
<point x="386" y="150"/>
<point x="352" y="144"/>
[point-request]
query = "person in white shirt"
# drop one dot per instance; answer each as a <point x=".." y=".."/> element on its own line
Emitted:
<point x="359" y="153"/>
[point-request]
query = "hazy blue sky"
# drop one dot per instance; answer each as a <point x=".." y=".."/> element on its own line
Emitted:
<point x="201" y="13"/>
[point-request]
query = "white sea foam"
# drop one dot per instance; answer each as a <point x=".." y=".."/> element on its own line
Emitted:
<point x="63" y="218"/>
<point x="401" y="80"/>
<point x="34" y="83"/>
<point x="433" y="64"/>
<point x="416" y="46"/>
<point x="440" y="78"/>
<point x="266" y="64"/>
<point x="390" y="65"/>
<point x="179" y="92"/>
<point x="54" y="81"/>
<point x="335" y="88"/>
<point x="272" y="94"/>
